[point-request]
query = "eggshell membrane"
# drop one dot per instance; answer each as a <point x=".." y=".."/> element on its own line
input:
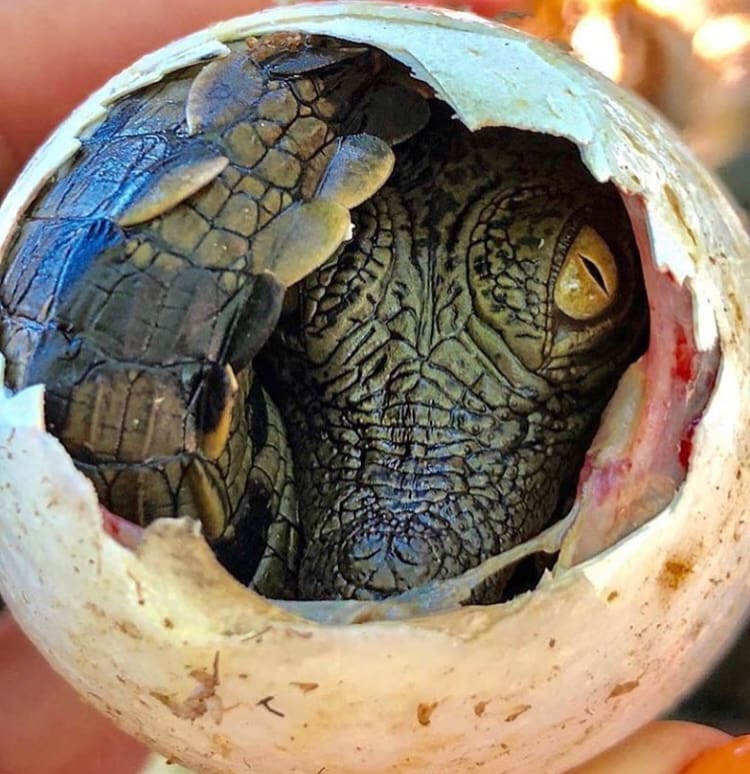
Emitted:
<point x="165" y="642"/>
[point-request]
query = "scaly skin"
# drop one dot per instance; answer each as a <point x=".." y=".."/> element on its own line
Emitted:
<point x="129" y="295"/>
<point x="423" y="406"/>
<point x="434" y="413"/>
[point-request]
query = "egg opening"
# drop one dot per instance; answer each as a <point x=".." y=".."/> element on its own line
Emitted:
<point x="398" y="410"/>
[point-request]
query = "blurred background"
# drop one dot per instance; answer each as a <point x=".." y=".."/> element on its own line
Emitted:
<point x="691" y="60"/>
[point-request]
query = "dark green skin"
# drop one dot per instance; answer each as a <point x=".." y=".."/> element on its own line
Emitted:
<point x="422" y="406"/>
<point x="131" y="327"/>
<point x="438" y="404"/>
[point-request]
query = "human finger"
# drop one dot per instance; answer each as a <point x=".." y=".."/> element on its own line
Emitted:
<point x="664" y="747"/>
<point x="46" y="728"/>
<point x="733" y="757"/>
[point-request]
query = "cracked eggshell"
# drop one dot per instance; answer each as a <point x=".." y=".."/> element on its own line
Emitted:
<point x="217" y="678"/>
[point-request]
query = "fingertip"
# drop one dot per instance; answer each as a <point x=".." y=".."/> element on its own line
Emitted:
<point x="664" y="747"/>
<point x="732" y="757"/>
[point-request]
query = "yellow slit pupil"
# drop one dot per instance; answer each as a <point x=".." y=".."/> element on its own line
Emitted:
<point x="587" y="284"/>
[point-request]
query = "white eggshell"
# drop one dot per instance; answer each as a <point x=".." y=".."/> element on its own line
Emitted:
<point x="217" y="678"/>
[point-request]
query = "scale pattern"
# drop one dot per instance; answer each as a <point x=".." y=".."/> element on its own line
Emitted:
<point x="423" y="402"/>
<point x="438" y="404"/>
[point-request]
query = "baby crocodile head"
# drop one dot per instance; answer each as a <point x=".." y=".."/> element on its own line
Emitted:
<point x="441" y="376"/>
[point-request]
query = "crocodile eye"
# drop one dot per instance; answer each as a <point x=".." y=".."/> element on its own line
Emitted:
<point x="587" y="284"/>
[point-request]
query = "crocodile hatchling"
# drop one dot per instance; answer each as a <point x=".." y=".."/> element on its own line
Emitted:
<point x="350" y="413"/>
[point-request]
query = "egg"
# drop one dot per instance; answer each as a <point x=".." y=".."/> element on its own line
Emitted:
<point x="650" y="581"/>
